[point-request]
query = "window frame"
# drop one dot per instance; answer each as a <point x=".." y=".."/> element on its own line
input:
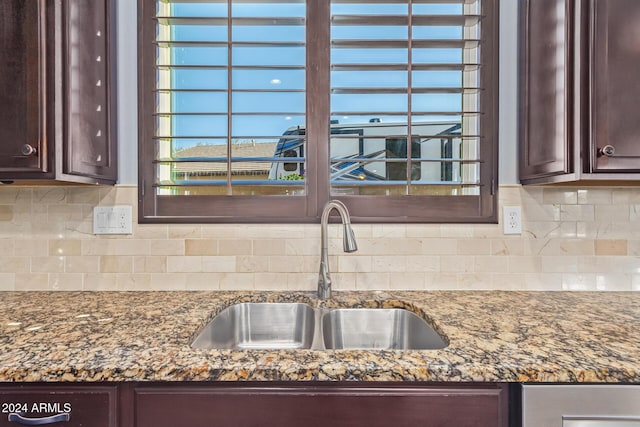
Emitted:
<point x="155" y="208"/>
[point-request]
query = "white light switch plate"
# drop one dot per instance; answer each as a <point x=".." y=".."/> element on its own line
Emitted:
<point x="112" y="220"/>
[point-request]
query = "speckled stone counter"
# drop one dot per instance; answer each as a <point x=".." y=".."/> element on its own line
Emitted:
<point x="494" y="336"/>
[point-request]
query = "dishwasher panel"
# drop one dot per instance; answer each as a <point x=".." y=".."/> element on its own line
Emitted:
<point x="580" y="405"/>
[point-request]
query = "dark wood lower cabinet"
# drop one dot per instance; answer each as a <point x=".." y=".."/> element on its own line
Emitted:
<point x="255" y="404"/>
<point x="59" y="405"/>
<point x="310" y="405"/>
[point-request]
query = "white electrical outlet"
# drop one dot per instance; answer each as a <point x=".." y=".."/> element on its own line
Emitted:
<point x="112" y="220"/>
<point x="512" y="219"/>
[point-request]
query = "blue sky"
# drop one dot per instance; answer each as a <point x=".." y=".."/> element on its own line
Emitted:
<point x="277" y="111"/>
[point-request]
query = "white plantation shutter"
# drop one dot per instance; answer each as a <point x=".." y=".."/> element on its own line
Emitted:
<point x="220" y="71"/>
<point x="399" y="69"/>
<point x="263" y="110"/>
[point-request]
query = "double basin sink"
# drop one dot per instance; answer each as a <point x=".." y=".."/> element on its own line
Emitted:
<point x="301" y="326"/>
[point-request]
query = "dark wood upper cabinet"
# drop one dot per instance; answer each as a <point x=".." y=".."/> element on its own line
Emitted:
<point x="545" y="89"/>
<point x="615" y="86"/>
<point x="25" y="84"/>
<point x="57" y="91"/>
<point x="89" y="101"/>
<point x="578" y="107"/>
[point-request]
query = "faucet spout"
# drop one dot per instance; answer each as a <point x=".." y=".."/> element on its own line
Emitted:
<point x="348" y="241"/>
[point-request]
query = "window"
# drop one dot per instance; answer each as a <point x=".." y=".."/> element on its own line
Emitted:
<point x="263" y="110"/>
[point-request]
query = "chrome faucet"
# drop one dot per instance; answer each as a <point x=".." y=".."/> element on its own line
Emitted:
<point x="349" y="244"/>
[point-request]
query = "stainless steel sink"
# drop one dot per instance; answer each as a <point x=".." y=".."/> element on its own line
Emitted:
<point x="300" y="326"/>
<point x="260" y="326"/>
<point x="361" y="328"/>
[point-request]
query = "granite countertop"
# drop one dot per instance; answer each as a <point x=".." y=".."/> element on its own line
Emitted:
<point x="494" y="336"/>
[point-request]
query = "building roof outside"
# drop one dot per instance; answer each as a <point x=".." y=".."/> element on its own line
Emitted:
<point x="243" y="149"/>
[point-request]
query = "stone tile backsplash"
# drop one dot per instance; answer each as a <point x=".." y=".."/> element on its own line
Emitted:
<point x="573" y="239"/>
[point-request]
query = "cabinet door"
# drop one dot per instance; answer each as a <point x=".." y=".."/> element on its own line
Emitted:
<point x="24" y="127"/>
<point x="320" y="405"/>
<point x="88" y="42"/>
<point x="58" y="405"/>
<point x="615" y="85"/>
<point x="545" y="88"/>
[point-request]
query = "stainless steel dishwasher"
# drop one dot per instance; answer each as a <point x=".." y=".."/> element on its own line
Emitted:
<point x="580" y="405"/>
